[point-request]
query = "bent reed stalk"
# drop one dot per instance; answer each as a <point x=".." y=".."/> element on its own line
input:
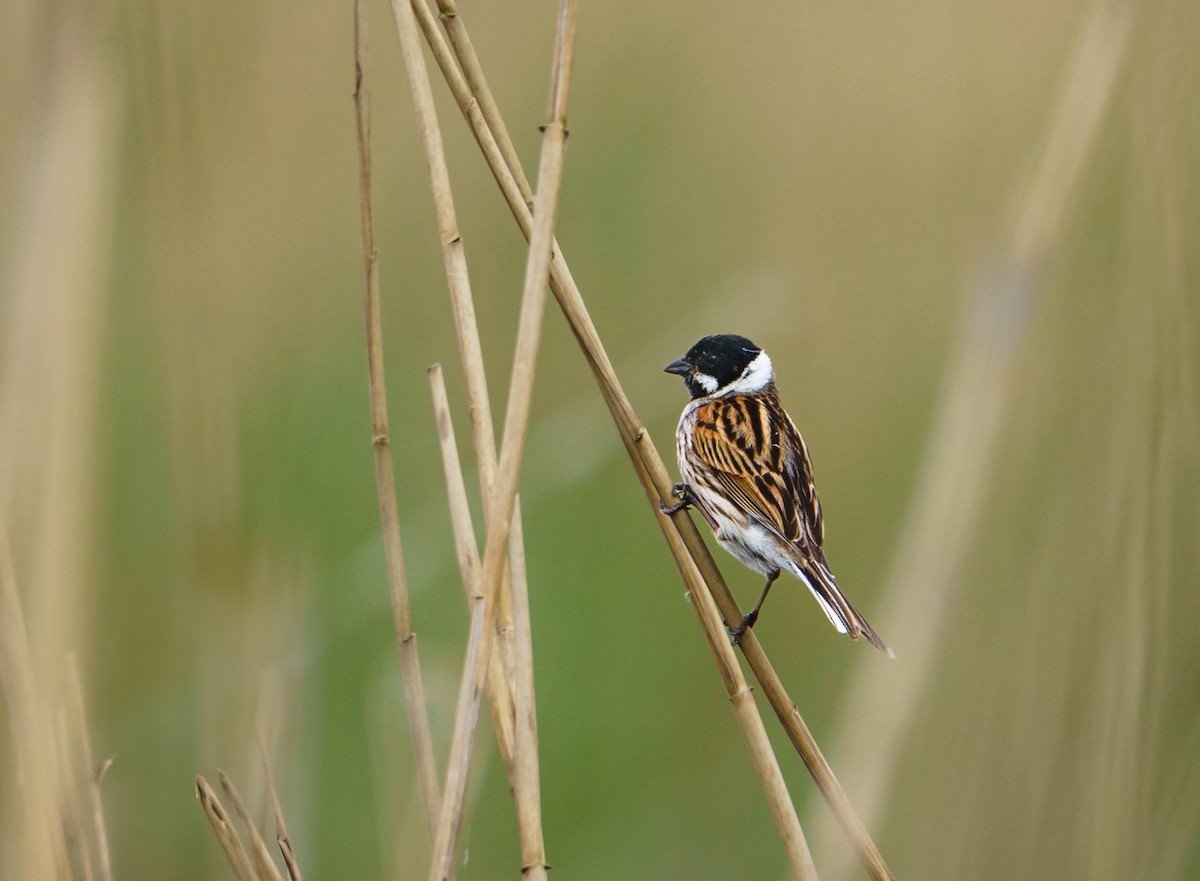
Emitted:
<point x="482" y="115"/>
<point x="500" y="501"/>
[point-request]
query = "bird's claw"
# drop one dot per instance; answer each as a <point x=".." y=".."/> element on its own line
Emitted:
<point x="736" y="633"/>
<point x="680" y="490"/>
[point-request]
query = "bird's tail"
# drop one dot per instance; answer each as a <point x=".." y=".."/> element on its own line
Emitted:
<point x="842" y="615"/>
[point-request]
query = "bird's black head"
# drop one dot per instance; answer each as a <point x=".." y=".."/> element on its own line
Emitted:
<point x="723" y="364"/>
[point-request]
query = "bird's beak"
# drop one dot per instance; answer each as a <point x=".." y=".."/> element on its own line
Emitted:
<point x="682" y="367"/>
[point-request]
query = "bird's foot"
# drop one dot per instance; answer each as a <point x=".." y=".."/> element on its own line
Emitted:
<point x="684" y="493"/>
<point x="736" y="633"/>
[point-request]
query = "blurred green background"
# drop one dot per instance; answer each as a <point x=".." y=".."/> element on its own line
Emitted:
<point x="981" y="299"/>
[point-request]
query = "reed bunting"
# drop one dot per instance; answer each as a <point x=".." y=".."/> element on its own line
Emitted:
<point x="746" y="469"/>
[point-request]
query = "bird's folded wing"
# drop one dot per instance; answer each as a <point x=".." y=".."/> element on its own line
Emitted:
<point x="760" y="462"/>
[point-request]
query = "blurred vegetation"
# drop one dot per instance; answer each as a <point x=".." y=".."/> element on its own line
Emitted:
<point x="185" y="469"/>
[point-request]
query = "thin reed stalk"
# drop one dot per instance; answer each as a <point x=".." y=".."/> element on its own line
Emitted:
<point x="537" y="275"/>
<point x="36" y="841"/>
<point x="263" y="864"/>
<point x="466" y="719"/>
<point x="647" y="463"/>
<point x="281" y="834"/>
<point x="385" y="485"/>
<point x="453" y="258"/>
<point x="762" y="755"/>
<point x="464" y="51"/>
<point x="95" y="774"/>
<point x="231" y="843"/>
<point x="966" y="436"/>
<point x="503" y="496"/>
<point x="499" y="696"/>
<point x="516" y="701"/>
<point x="513" y="610"/>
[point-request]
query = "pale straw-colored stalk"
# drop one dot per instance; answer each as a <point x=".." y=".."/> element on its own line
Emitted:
<point x="966" y="436"/>
<point x="385" y="485"/>
<point x="762" y="755"/>
<point x="281" y="834"/>
<point x="464" y="51"/>
<point x="231" y="843"/>
<point x="36" y="842"/>
<point x="516" y="424"/>
<point x="95" y="774"/>
<point x="647" y="463"/>
<point x="514" y="697"/>
<point x="70" y="809"/>
<point x="453" y="252"/>
<point x="537" y="276"/>
<point x="467" y="553"/>
<point x="263" y="864"/>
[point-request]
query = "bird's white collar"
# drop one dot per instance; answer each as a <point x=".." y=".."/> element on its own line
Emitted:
<point x="757" y="376"/>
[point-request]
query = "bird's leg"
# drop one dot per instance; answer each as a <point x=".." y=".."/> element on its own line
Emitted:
<point x="686" y="499"/>
<point x="752" y="616"/>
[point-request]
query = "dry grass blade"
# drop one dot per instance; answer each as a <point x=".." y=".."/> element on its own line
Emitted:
<point x="226" y="834"/>
<point x="966" y="436"/>
<point x="762" y="755"/>
<point x="281" y="833"/>
<point x="500" y="681"/>
<point x="464" y="50"/>
<point x="70" y="814"/>
<point x="512" y="602"/>
<point x="647" y="463"/>
<point x="499" y="697"/>
<point x="537" y="274"/>
<point x="466" y="719"/>
<point x="95" y="775"/>
<point x="514" y="660"/>
<point x="414" y="689"/>
<point x="503" y="496"/>
<point x="36" y="841"/>
<point x="263" y="864"/>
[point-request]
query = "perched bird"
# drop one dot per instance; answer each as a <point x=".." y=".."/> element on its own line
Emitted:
<point x="746" y="469"/>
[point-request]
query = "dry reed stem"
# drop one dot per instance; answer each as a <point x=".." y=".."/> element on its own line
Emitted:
<point x="516" y="424"/>
<point x="526" y="779"/>
<point x="515" y="658"/>
<point x="95" y="775"/>
<point x="514" y="591"/>
<point x="281" y="834"/>
<point x="647" y="463"/>
<point x="226" y="834"/>
<point x="414" y="689"/>
<point x="537" y="276"/>
<point x="70" y="817"/>
<point x="762" y="755"/>
<point x="466" y="719"/>
<point x="37" y="840"/>
<point x="263" y="864"/>
<point x="965" y="437"/>
<point x="499" y="696"/>
<point x="464" y="51"/>
<point x="458" y="283"/>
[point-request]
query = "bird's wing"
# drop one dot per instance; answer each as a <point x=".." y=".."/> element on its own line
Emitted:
<point x="798" y="467"/>
<point x="755" y="453"/>
<point x="752" y="448"/>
